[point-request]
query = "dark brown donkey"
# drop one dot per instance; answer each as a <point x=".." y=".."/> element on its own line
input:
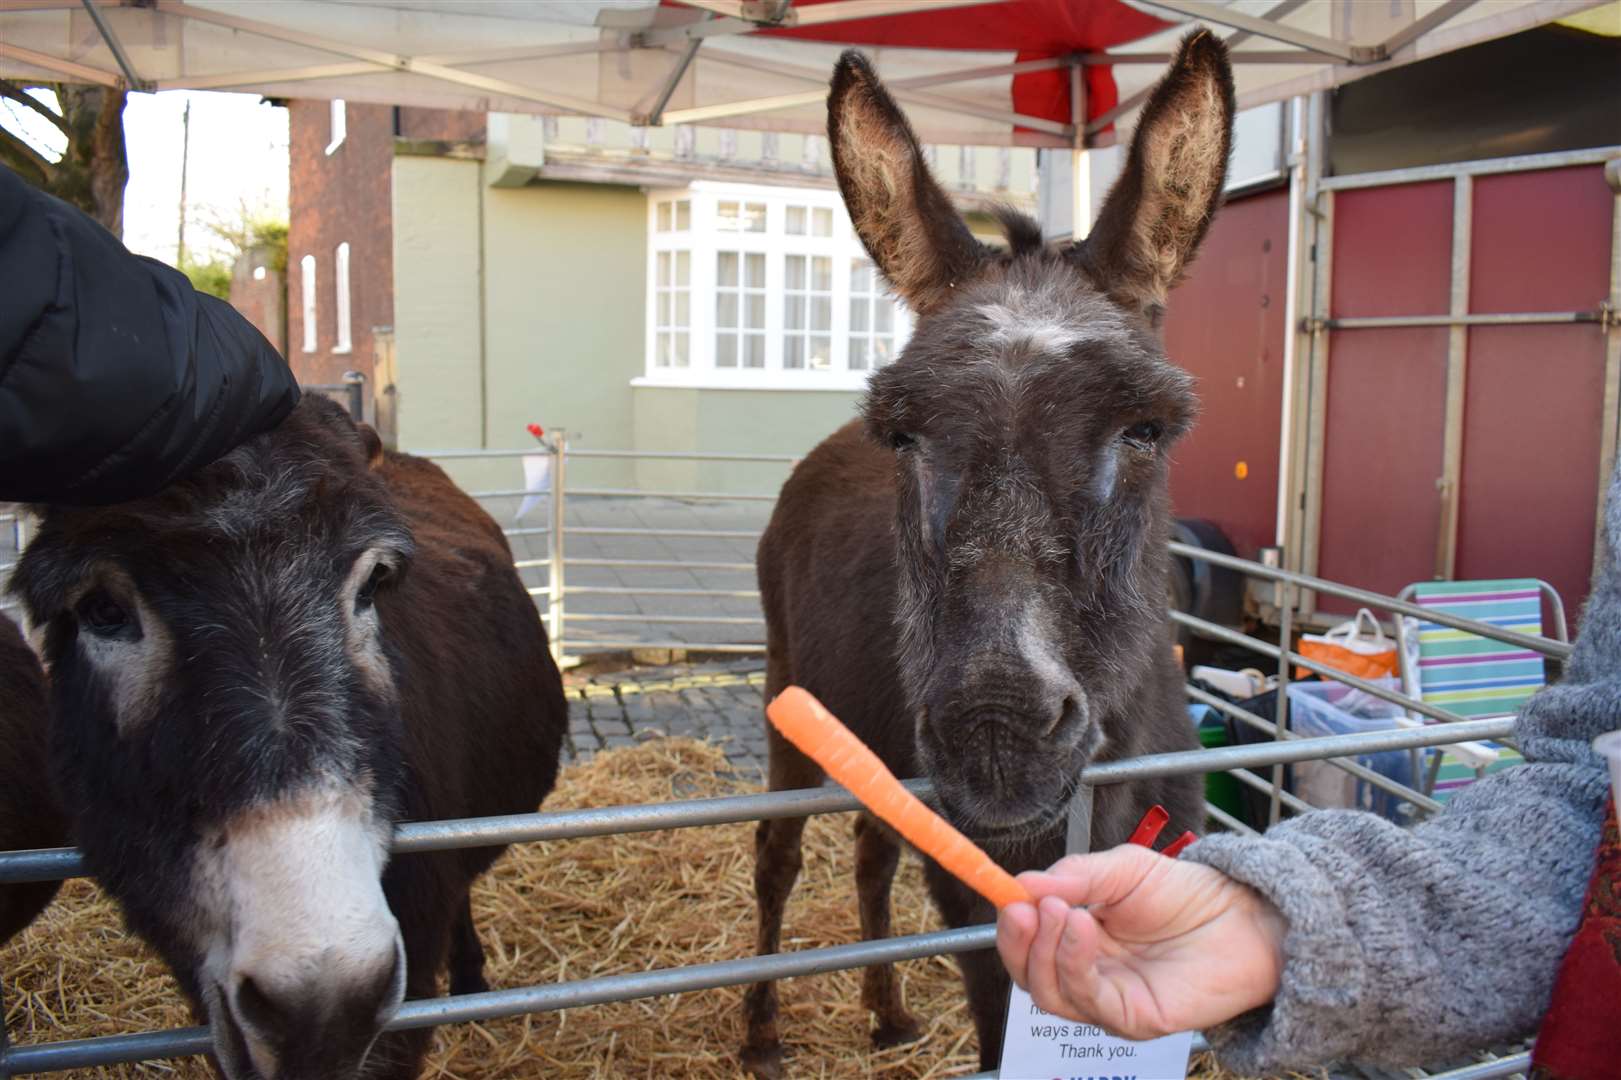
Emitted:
<point x="254" y="676"/>
<point x="29" y="813"/>
<point x="974" y="578"/>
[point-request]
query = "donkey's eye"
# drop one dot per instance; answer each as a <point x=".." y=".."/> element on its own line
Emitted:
<point x="1144" y="436"/>
<point x="367" y="594"/>
<point x="900" y="440"/>
<point x="101" y="615"/>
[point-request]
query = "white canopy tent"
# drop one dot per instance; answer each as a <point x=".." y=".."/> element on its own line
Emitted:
<point x="741" y="63"/>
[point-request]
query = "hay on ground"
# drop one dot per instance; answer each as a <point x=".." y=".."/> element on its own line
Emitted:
<point x="564" y="911"/>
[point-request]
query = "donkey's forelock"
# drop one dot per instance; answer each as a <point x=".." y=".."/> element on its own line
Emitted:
<point x="306" y="488"/>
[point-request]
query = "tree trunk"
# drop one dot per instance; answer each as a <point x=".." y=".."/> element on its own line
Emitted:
<point x="94" y="169"/>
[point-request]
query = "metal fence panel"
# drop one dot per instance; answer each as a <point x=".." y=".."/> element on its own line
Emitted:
<point x="1238" y="760"/>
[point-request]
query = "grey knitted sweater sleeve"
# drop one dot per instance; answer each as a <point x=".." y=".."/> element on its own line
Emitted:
<point x="1408" y="945"/>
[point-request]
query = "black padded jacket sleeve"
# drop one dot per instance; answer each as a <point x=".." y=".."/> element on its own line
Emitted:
<point x="116" y="376"/>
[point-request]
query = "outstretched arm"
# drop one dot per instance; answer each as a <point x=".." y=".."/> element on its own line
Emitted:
<point x="116" y="376"/>
<point x="1404" y="946"/>
<point x="1335" y="936"/>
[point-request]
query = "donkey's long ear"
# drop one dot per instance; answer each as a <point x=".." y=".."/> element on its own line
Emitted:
<point x="1159" y="209"/>
<point x="904" y="219"/>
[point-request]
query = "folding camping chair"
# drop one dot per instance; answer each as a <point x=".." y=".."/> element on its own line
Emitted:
<point x="1473" y="676"/>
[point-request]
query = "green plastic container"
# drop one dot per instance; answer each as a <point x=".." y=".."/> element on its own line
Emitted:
<point x="1222" y="790"/>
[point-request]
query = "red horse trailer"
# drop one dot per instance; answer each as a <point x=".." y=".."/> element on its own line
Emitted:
<point x="1432" y="394"/>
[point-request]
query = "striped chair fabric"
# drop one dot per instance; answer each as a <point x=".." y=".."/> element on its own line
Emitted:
<point x="1475" y="676"/>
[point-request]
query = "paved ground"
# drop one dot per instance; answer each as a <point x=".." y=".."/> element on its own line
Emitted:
<point x="635" y="615"/>
<point x="720" y="702"/>
<point x="646" y="616"/>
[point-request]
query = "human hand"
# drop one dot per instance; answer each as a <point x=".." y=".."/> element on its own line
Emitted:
<point x="1161" y="945"/>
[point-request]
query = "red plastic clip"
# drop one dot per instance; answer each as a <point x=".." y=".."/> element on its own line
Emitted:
<point x="536" y="430"/>
<point x="1175" y="847"/>
<point x="1148" y="829"/>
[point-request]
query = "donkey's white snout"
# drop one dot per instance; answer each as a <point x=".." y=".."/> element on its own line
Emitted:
<point x="311" y="945"/>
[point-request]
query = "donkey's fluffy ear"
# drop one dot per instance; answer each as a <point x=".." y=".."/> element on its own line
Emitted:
<point x="1157" y="213"/>
<point x="373" y="443"/>
<point x="904" y="219"/>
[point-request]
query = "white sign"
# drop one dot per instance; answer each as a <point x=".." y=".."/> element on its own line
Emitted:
<point x="1041" y="1046"/>
<point x="537" y="481"/>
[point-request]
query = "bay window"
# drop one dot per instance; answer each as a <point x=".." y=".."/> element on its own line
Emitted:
<point x="763" y="287"/>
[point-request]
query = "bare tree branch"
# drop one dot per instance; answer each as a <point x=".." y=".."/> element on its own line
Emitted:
<point x="24" y="158"/>
<point x="19" y="94"/>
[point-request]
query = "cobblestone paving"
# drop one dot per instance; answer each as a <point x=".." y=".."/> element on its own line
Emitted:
<point x="720" y="702"/>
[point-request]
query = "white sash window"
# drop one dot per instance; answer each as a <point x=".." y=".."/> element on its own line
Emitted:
<point x="760" y="287"/>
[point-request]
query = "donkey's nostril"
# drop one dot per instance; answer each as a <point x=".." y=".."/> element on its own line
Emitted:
<point x="1069" y="714"/>
<point x="258" y="1011"/>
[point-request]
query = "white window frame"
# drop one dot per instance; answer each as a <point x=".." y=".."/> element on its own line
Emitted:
<point x="340" y="277"/>
<point x="705" y="241"/>
<point x="306" y="275"/>
<point x="339" y="125"/>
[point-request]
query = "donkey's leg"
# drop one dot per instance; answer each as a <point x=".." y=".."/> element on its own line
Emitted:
<point x="983" y="975"/>
<point x="777" y="859"/>
<point x="466" y="954"/>
<point x="878" y="853"/>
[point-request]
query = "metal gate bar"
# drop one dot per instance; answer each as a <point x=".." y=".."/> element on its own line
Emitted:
<point x="650" y="564"/>
<point x="498" y="1004"/>
<point x="651" y="455"/>
<point x="700" y="496"/>
<point x="1261" y="783"/>
<point x="54" y="863"/>
<point x="1597" y="155"/>
<point x="1384" y="322"/>
<point x="631" y="590"/>
<point x="557" y="448"/>
<point x="697" y="534"/>
<point x="1557" y="650"/>
<point x="477" y="832"/>
<point x="1356" y="769"/>
<point x="719" y="620"/>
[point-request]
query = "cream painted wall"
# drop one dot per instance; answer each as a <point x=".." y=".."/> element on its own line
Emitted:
<point x="732" y="422"/>
<point x="564" y="299"/>
<point x="558" y="273"/>
<point x="439" y="353"/>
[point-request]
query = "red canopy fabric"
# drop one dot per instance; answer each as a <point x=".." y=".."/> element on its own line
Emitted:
<point x="1031" y="29"/>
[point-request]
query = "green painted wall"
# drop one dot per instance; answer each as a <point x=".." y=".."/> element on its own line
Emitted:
<point x="437" y="329"/>
<point x="565" y="303"/>
<point x="732" y="422"/>
<point x="559" y="276"/>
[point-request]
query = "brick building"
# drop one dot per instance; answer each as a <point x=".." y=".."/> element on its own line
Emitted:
<point x="665" y="289"/>
<point x="259" y="292"/>
<point x="340" y="258"/>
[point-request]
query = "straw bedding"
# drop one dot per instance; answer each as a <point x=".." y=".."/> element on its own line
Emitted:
<point x="569" y="910"/>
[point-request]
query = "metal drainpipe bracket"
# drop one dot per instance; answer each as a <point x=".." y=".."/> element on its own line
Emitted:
<point x="1313" y="324"/>
<point x="1608" y="317"/>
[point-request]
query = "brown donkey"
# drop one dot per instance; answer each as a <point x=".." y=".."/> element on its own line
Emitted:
<point x="30" y="815"/>
<point x="974" y="578"/>
<point x="254" y="676"/>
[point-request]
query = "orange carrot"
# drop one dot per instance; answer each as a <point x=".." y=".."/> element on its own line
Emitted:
<point x="804" y="722"/>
